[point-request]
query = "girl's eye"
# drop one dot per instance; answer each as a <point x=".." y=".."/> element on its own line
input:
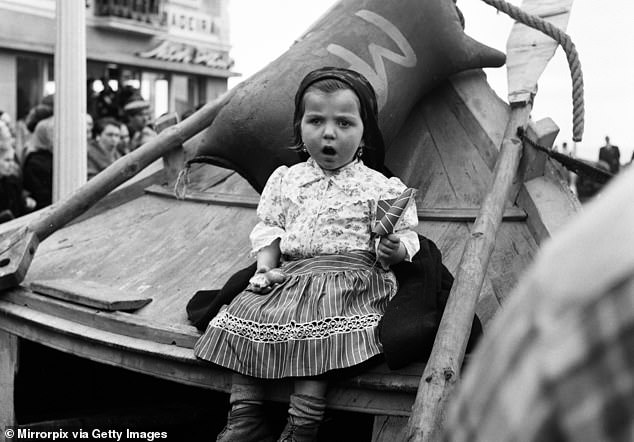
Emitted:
<point x="314" y="120"/>
<point x="344" y="123"/>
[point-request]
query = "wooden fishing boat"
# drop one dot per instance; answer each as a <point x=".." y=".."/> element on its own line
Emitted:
<point x="141" y="242"/>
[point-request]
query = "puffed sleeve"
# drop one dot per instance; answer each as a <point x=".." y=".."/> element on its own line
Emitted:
<point x="408" y="221"/>
<point x="270" y="213"/>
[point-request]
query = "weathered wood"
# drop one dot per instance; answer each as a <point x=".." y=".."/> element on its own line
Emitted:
<point x="444" y="364"/>
<point x="8" y="369"/>
<point x="121" y="323"/>
<point x="95" y="189"/>
<point x="443" y="367"/>
<point x="185" y="247"/>
<point x="174" y="363"/>
<point x="480" y="111"/>
<point x="388" y="428"/>
<point x="547" y="206"/>
<point x="457" y="214"/>
<point x="90" y="294"/>
<point x="123" y="194"/>
<point x="533" y="162"/>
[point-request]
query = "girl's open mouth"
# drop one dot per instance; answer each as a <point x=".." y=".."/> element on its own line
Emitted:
<point x="329" y="150"/>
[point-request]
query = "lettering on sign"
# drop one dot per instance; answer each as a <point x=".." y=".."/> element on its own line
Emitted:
<point x="187" y="53"/>
<point x="377" y="74"/>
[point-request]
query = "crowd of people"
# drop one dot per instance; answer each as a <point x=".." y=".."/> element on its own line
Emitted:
<point x="26" y="151"/>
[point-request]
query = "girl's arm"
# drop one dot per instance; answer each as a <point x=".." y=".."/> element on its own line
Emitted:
<point x="268" y="257"/>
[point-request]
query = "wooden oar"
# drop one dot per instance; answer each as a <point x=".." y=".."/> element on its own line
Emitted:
<point x="528" y="53"/>
<point x="17" y="248"/>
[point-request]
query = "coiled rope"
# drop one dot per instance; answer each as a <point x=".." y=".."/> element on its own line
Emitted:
<point x="568" y="46"/>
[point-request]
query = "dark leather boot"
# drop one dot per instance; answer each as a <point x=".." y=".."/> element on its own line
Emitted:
<point x="304" y="416"/>
<point x="246" y="424"/>
<point x="299" y="433"/>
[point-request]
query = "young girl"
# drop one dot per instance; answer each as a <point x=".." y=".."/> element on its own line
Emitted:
<point x="332" y="288"/>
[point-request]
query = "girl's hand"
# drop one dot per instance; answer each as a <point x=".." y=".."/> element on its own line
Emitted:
<point x="390" y="250"/>
<point x="264" y="280"/>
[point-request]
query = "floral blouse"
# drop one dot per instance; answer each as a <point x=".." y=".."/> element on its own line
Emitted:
<point x="317" y="212"/>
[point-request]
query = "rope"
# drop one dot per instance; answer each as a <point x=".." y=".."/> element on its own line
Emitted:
<point x="182" y="180"/>
<point x="571" y="54"/>
<point x="574" y="165"/>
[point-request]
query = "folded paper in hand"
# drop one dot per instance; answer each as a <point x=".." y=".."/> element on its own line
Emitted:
<point x="388" y="212"/>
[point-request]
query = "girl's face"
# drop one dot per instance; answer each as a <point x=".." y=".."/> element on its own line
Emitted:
<point x="331" y="127"/>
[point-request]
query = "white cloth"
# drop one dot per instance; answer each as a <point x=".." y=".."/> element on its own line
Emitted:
<point x="318" y="212"/>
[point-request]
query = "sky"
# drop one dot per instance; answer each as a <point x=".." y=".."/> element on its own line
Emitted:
<point x="602" y="32"/>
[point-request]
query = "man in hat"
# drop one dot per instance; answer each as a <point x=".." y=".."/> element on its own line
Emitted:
<point x="137" y="111"/>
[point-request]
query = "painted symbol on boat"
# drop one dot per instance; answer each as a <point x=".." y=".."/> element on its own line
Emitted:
<point x="377" y="75"/>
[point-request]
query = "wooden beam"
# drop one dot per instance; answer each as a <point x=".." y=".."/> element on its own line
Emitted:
<point x="90" y="294"/>
<point x="456" y="214"/>
<point x="8" y="369"/>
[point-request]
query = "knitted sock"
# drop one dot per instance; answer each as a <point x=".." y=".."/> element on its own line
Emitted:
<point x="306" y="409"/>
<point x="246" y="391"/>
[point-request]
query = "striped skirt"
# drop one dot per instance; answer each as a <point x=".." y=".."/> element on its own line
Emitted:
<point x="323" y="317"/>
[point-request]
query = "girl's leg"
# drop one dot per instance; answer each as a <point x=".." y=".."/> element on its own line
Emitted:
<point x="245" y="390"/>
<point x="306" y="411"/>
<point x="246" y="421"/>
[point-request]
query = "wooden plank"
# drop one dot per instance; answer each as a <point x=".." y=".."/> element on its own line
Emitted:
<point x="121" y="323"/>
<point x="8" y="369"/>
<point x="548" y="206"/>
<point x="90" y="294"/>
<point x="456" y="214"/>
<point x="123" y="194"/>
<point x="514" y="250"/>
<point x="379" y="377"/>
<point x="460" y="214"/>
<point x="172" y="362"/>
<point x="482" y="114"/>
<point x="185" y="247"/>
<point x="414" y="158"/>
<point x="469" y="176"/>
<point x="388" y="428"/>
<point x="209" y="197"/>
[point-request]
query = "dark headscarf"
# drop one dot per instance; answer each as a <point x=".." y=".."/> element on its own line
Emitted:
<point x="374" y="152"/>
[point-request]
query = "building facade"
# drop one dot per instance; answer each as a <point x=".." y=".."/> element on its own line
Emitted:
<point x="174" y="52"/>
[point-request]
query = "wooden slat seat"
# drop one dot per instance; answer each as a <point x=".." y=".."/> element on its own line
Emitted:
<point x="97" y="335"/>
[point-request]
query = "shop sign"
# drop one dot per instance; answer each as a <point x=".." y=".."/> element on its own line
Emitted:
<point x="185" y="22"/>
<point x="189" y="53"/>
